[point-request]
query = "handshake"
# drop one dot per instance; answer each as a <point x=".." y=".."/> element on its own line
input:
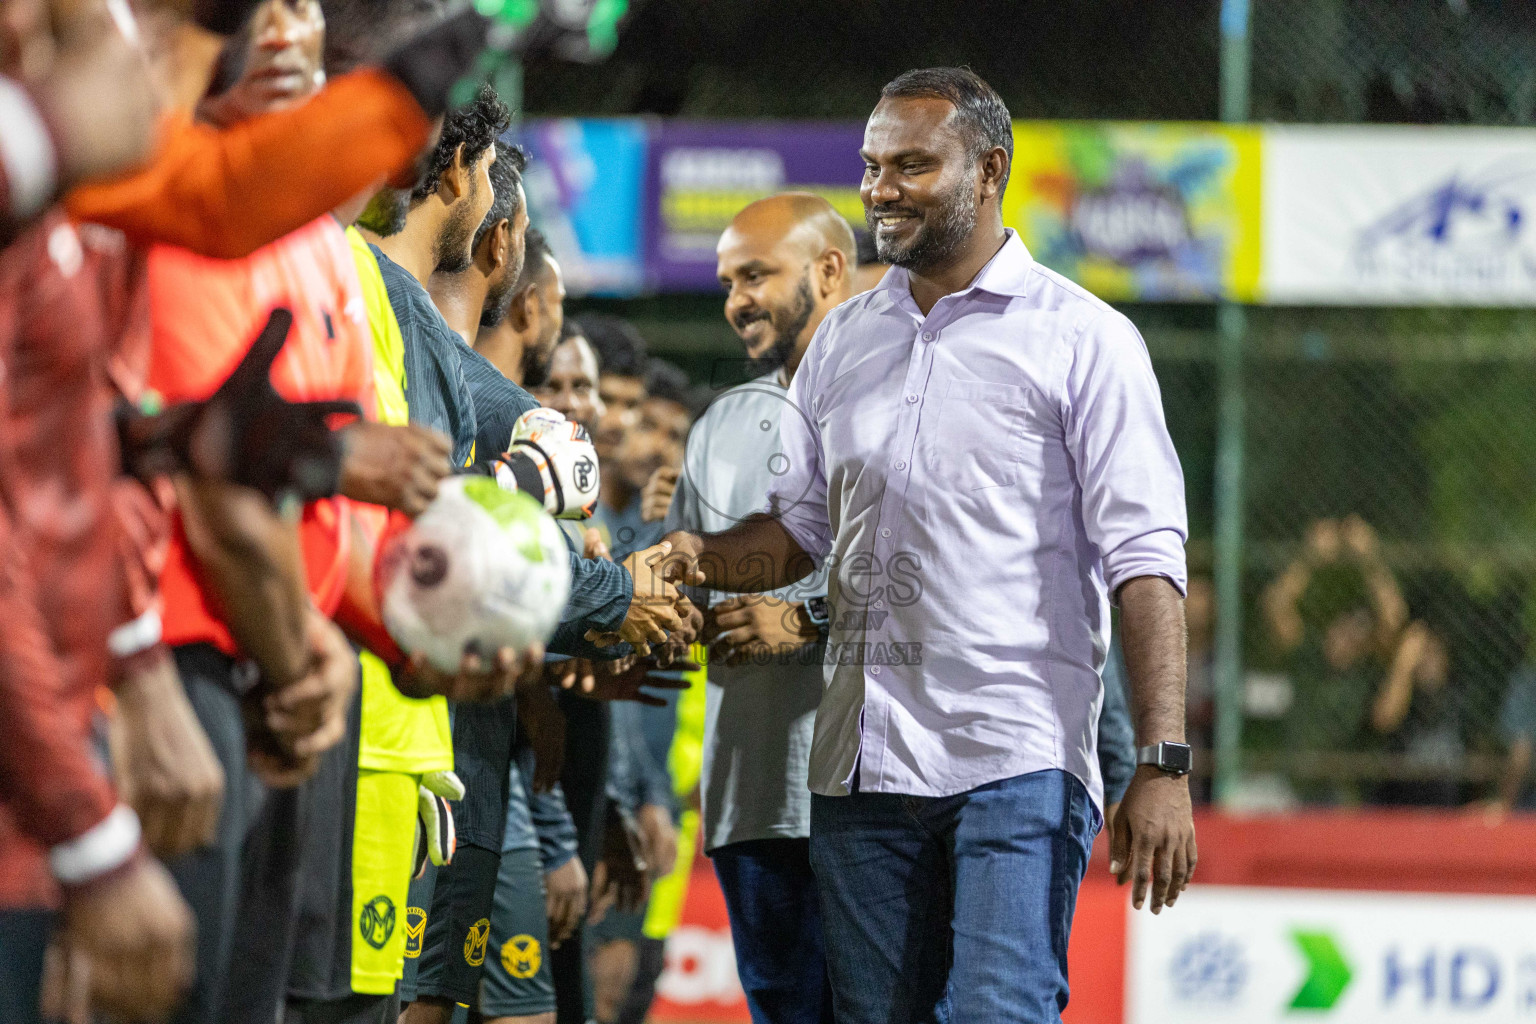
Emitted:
<point x="659" y="614"/>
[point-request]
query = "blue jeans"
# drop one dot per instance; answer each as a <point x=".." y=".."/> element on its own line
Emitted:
<point x="770" y="895"/>
<point x="956" y="908"/>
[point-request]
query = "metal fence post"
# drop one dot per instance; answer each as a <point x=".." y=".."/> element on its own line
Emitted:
<point x="1228" y="555"/>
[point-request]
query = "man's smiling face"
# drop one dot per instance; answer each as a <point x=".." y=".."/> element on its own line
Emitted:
<point x="920" y="182"/>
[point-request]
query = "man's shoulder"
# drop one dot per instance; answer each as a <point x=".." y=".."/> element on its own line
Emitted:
<point x="873" y="302"/>
<point x="417" y="316"/>
<point x="1052" y="292"/>
<point x="405" y="292"/>
<point x="485" y="379"/>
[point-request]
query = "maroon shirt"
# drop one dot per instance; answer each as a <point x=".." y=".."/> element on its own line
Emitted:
<point x="62" y="586"/>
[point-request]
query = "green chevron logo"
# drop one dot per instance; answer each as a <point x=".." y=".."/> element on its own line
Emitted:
<point x="1328" y="975"/>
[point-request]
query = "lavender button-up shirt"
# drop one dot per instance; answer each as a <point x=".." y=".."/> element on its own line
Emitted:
<point x="982" y="479"/>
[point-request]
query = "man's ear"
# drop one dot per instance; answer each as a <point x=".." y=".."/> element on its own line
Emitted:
<point x="994" y="172"/>
<point x="831" y="270"/>
<point x="455" y="177"/>
<point x="520" y="311"/>
<point x="501" y="243"/>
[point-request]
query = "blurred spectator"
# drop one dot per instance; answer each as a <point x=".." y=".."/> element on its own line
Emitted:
<point x="1517" y="724"/>
<point x="643" y="471"/>
<point x="668" y="412"/>
<point x="1304" y="589"/>
<point x="621" y="359"/>
<point x="1418" y="712"/>
<point x="570" y="384"/>
<point x="1336" y="612"/>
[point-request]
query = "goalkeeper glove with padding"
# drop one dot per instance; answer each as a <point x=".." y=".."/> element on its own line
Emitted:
<point x="435" y="838"/>
<point x="551" y="459"/>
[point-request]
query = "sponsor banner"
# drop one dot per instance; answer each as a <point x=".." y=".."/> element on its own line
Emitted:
<point x="1227" y="954"/>
<point x="585" y="179"/>
<point x="1399" y="215"/>
<point x="701" y="174"/>
<point x="1140" y="211"/>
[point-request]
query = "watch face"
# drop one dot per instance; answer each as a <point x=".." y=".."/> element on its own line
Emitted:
<point x="816" y="610"/>
<point x="1175" y="757"/>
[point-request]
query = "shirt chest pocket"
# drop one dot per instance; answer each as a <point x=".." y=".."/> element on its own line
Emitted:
<point x="982" y="436"/>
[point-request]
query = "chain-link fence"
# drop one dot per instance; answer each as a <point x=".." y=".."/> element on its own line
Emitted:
<point x="1388" y="457"/>
<point x="1388" y="559"/>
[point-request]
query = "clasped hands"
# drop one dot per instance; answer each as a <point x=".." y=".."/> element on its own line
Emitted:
<point x="659" y="614"/>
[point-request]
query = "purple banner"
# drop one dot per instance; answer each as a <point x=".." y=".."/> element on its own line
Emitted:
<point x="700" y="174"/>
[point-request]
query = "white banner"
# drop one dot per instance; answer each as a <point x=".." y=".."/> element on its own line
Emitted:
<point x="1254" y="956"/>
<point x="1399" y="215"/>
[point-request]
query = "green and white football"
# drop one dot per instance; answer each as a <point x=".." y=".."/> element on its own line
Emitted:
<point x="481" y="569"/>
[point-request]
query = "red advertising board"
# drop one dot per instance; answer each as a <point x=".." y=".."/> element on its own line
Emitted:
<point x="1340" y="851"/>
<point x="700" y="983"/>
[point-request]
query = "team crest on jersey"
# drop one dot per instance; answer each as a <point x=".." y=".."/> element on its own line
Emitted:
<point x="521" y="956"/>
<point x="377" y="921"/>
<point x="474" y="942"/>
<point x="415" y="930"/>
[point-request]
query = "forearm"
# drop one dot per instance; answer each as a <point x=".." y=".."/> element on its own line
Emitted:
<point x="754" y="556"/>
<point x="47" y="771"/>
<point x="226" y="193"/>
<point x="1153" y="637"/>
<point x="251" y="560"/>
<point x="601" y="592"/>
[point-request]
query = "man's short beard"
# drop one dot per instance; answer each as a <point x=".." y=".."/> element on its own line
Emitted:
<point x="536" y="364"/>
<point x="497" y="301"/>
<point x="386" y="212"/>
<point x="788" y="324"/>
<point x="453" y="252"/>
<point x="936" y="244"/>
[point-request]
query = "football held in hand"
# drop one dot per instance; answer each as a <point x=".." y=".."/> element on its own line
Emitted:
<point x="481" y="569"/>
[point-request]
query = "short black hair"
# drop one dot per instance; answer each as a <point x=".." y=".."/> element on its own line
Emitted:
<point x="666" y="380"/>
<point x="475" y="126"/>
<point x="980" y="113"/>
<point x="361" y="32"/>
<point x="535" y="250"/>
<point x="618" y="344"/>
<point x="506" y="176"/>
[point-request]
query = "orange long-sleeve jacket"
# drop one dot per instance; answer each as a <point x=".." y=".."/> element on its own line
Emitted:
<point x="226" y="192"/>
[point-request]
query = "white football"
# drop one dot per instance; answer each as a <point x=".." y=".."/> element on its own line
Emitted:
<point x="481" y="569"/>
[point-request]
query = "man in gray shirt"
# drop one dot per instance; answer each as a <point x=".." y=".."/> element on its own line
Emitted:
<point x="786" y="262"/>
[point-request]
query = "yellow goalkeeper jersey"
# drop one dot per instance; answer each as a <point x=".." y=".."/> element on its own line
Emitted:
<point x="399" y="734"/>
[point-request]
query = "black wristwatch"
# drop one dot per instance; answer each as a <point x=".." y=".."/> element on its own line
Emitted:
<point x="820" y="615"/>
<point x="1173" y="758"/>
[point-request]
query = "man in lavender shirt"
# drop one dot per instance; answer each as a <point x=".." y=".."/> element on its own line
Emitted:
<point x="979" y="459"/>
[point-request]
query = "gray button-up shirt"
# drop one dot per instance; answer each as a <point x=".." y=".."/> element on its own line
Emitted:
<point x="758" y="718"/>
<point x="981" y="479"/>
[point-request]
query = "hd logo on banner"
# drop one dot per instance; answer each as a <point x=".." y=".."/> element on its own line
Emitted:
<point x="1399" y="215"/>
<point x="1255" y="956"/>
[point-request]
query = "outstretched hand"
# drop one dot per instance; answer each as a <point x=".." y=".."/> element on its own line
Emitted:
<point x="623" y="679"/>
